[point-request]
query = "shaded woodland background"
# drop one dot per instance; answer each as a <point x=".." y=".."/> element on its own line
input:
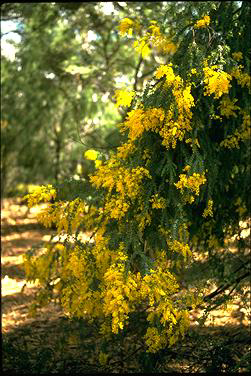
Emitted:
<point x="57" y="94"/>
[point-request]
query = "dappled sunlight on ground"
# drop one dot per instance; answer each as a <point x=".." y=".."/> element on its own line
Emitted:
<point x="233" y="315"/>
<point x="11" y="286"/>
<point x="20" y="231"/>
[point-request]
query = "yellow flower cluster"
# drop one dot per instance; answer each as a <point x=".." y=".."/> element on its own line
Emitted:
<point x="102" y="288"/>
<point x="116" y="208"/>
<point x="217" y="82"/>
<point x="104" y="257"/>
<point x="158" y="202"/>
<point x="157" y="286"/>
<point x="160" y="41"/>
<point x="125" y="184"/>
<point x="209" y="210"/>
<point x="167" y="70"/>
<point x="91" y="154"/>
<point x="103" y="358"/>
<point x="127" y="26"/>
<point x="38" y="268"/>
<point x="124" y="98"/>
<point x="67" y="216"/>
<point x="181" y="248"/>
<point x="246" y="123"/>
<point x="152" y="119"/>
<point x="187" y="167"/>
<point x="192" y="143"/>
<point x="192" y="182"/>
<point x="45" y="264"/>
<point x="119" y="293"/>
<point x="98" y="163"/>
<point x="242" y="78"/>
<point x="239" y="135"/>
<point x="138" y="121"/>
<point x="42" y="193"/>
<point x="142" y="47"/>
<point x="54" y="213"/>
<point x="147" y="154"/>
<point x="116" y="291"/>
<point x="155" y="39"/>
<point x="231" y="142"/>
<point x="184" y="101"/>
<point x="125" y="150"/>
<point x="78" y="297"/>
<point x="134" y="123"/>
<point x="175" y="127"/>
<point x="241" y="207"/>
<point x="143" y="220"/>
<point x="168" y="314"/>
<point x="237" y="56"/>
<point x="157" y="339"/>
<point x="228" y="107"/>
<point x="204" y="22"/>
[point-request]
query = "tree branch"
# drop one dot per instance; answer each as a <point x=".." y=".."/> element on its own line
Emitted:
<point x="220" y="289"/>
<point x="136" y="74"/>
<point x="118" y="6"/>
<point x="11" y="31"/>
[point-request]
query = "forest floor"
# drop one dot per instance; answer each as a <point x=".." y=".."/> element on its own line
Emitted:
<point x="51" y="343"/>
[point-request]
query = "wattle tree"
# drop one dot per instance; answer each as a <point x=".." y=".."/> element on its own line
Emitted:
<point x="177" y="186"/>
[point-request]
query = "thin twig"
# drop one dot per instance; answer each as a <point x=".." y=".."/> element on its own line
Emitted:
<point x="223" y="288"/>
<point x="136" y="73"/>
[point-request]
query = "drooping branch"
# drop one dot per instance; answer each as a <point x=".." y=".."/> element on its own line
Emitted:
<point x="223" y="288"/>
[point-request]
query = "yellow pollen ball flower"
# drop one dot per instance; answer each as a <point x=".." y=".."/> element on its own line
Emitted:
<point x="124" y="98"/>
<point x="204" y="22"/>
<point x="237" y="56"/>
<point x="91" y="154"/>
<point x="208" y="211"/>
<point x="165" y="70"/>
<point x="217" y="82"/>
<point x="103" y="358"/>
<point x="126" y="26"/>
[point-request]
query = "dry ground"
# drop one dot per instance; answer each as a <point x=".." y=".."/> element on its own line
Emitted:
<point x="51" y="343"/>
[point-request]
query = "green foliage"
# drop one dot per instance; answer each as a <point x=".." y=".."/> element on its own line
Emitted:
<point x="57" y="93"/>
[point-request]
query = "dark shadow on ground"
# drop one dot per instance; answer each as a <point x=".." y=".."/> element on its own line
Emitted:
<point x="19" y="246"/>
<point x="19" y="228"/>
<point x="72" y="346"/>
<point x="220" y="265"/>
<point x="13" y="271"/>
<point x="18" y="299"/>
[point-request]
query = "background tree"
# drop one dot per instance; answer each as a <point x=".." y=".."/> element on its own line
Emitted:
<point x="58" y="92"/>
